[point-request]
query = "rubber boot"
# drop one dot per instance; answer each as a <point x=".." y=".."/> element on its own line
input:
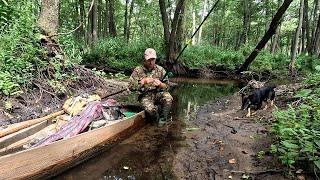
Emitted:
<point x="164" y="115"/>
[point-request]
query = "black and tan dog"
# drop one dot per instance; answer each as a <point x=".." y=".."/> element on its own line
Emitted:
<point x="254" y="100"/>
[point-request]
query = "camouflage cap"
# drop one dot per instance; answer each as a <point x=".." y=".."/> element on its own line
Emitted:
<point x="150" y="54"/>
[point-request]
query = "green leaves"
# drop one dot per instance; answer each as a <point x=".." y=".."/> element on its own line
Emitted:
<point x="303" y="93"/>
<point x="298" y="130"/>
<point x="5" y="2"/>
<point x="289" y="145"/>
<point x="20" y="54"/>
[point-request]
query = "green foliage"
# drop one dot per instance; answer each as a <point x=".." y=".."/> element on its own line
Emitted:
<point x="20" y="52"/>
<point x="116" y="53"/>
<point x="261" y="155"/>
<point x="298" y="129"/>
<point x="73" y="49"/>
<point x="201" y="56"/>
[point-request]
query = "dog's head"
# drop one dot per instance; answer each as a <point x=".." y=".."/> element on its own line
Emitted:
<point x="245" y="102"/>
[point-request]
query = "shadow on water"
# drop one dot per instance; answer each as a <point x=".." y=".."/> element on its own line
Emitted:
<point x="149" y="153"/>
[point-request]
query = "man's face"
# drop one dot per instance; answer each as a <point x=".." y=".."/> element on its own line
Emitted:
<point x="150" y="63"/>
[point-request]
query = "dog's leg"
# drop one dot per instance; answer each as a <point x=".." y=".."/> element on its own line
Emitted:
<point x="266" y="106"/>
<point x="272" y="103"/>
<point x="248" y="114"/>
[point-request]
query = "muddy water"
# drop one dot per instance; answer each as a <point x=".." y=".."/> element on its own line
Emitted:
<point x="149" y="153"/>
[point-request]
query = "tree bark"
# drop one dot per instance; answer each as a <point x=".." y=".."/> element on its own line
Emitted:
<point x="99" y="18"/>
<point x="272" y="29"/>
<point x="180" y="30"/>
<point x="112" y="23"/>
<point x="170" y="37"/>
<point x="202" y="18"/>
<point x="165" y="22"/>
<point x="246" y="22"/>
<point x="316" y="39"/>
<point x="275" y="43"/>
<point x="314" y="17"/>
<point x="49" y="16"/>
<point x="193" y="22"/>
<point x="306" y="25"/>
<point x="267" y="12"/>
<point x="106" y="23"/>
<point x="292" y="67"/>
<point x="129" y="20"/>
<point x="89" y="28"/>
<point x="125" y="26"/>
<point x="94" y="23"/>
<point x="82" y="27"/>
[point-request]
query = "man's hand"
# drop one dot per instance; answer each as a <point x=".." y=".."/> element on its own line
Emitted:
<point x="146" y="80"/>
<point x="157" y="82"/>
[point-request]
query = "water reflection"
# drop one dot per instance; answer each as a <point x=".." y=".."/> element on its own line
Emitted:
<point x="190" y="96"/>
<point x="148" y="154"/>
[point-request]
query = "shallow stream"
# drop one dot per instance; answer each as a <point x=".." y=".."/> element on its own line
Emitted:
<point x="149" y="153"/>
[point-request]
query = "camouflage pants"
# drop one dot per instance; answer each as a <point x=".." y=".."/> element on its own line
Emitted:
<point x="150" y="102"/>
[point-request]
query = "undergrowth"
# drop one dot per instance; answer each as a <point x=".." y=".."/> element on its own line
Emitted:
<point x="298" y="128"/>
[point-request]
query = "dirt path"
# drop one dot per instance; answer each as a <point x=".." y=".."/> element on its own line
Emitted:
<point x="226" y="146"/>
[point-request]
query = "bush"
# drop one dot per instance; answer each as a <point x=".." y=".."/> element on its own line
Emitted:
<point x="201" y="56"/>
<point x="298" y="129"/>
<point x="20" y="51"/>
<point x="116" y="53"/>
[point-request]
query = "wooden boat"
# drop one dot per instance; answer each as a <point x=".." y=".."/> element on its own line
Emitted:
<point x="52" y="159"/>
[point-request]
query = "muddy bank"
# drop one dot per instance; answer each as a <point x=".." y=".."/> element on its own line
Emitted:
<point x="41" y="101"/>
<point x="226" y="145"/>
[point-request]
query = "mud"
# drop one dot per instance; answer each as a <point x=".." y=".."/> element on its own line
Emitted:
<point x="227" y="145"/>
<point x="214" y="141"/>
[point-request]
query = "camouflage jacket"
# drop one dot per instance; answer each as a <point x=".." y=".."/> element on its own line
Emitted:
<point x="141" y="72"/>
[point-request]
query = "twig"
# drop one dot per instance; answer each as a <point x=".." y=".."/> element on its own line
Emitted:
<point x="245" y="118"/>
<point x="258" y="172"/>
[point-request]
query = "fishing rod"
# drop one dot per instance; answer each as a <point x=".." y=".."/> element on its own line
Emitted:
<point x="211" y="10"/>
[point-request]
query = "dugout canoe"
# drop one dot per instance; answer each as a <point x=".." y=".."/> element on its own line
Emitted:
<point x="52" y="159"/>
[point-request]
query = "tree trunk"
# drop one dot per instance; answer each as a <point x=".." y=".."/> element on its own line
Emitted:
<point x="275" y="43"/>
<point x="106" y="23"/>
<point x="246" y="22"/>
<point x="100" y="26"/>
<point x="94" y="23"/>
<point x="306" y="25"/>
<point x="170" y="37"/>
<point x="129" y="23"/>
<point x="316" y="39"/>
<point x="112" y="23"/>
<point x="81" y="29"/>
<point x="89" y="28"/>
<point x="267" y="12"/>
<point x="165" y="22"/>
<point x="292" y="67"/>
<point x="272" y="29"/>
<point x="180" y="30"/>
<point x="193" y="22"/>
<point x="314" y="18"/>
<point x="125" y="26"/>
<point x="204" y="10"/>
<point x="49" y="16"/>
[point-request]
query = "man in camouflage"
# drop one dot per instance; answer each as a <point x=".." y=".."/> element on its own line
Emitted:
<point x="152" y="87"/>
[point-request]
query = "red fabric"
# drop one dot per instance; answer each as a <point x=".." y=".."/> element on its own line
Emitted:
<point x="76" y="125"/>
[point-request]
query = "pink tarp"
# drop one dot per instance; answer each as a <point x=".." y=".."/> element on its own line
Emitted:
<point x="76" y="125"/>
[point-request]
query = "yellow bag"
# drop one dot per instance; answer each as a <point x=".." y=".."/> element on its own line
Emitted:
<point x="74" y="105"/>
